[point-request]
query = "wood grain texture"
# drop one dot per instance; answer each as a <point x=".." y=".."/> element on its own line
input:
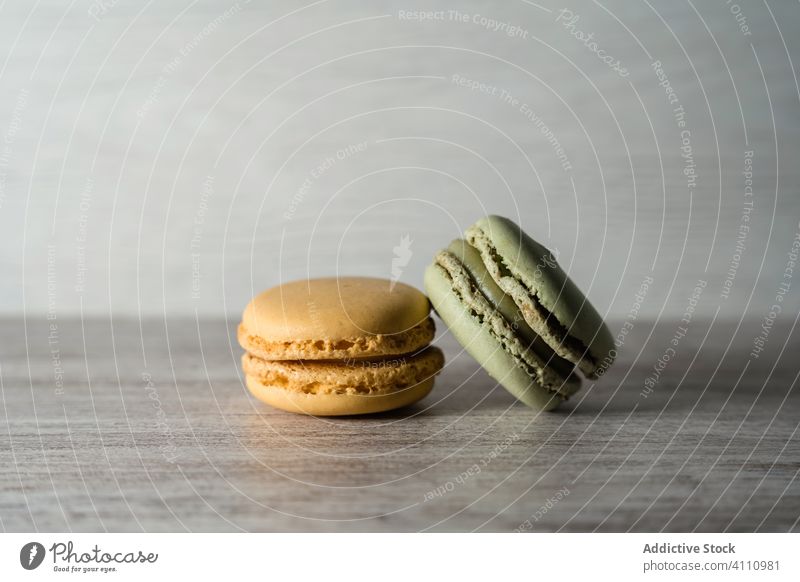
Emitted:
<point x="154" y="431"/>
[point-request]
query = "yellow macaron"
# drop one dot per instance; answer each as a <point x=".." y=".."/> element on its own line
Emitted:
<point x="339" y="346"/>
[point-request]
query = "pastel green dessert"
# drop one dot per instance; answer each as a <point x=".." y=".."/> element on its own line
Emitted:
<point x="511" y="306"/>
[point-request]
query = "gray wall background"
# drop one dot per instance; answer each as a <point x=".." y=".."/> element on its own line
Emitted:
<point x="170" y="157"/>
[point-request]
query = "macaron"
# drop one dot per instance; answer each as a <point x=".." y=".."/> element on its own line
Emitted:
<point x="339" y="346"/>
<point x="514" y="309"/>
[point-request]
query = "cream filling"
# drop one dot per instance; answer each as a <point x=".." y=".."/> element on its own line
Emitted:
<point x="507" y="280"/>
<point x="536" y="366"/>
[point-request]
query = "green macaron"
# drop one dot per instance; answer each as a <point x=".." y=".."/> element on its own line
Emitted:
<point x="508" y="302"/>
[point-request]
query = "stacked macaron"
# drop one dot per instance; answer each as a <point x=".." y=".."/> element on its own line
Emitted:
<point x="508" y="302"/>
<point x="339" y="346"/>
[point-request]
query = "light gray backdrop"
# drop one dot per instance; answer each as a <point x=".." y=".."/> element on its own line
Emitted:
<point x="175" y="157"/>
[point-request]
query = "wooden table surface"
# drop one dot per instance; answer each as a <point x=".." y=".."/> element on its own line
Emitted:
<point x="128" y="426"/>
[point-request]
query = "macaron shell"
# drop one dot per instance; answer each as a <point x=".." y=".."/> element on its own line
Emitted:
<point x="335" y="404"/>
<point x="529" y="273"/>
<point x="335" y="309"/>
<point x="486" y="348"/>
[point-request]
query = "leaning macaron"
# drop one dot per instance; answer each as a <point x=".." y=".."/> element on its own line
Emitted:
<point x="339" y="346"/>
<point x="498" y="293"/>
<point x="550" y="302"/>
